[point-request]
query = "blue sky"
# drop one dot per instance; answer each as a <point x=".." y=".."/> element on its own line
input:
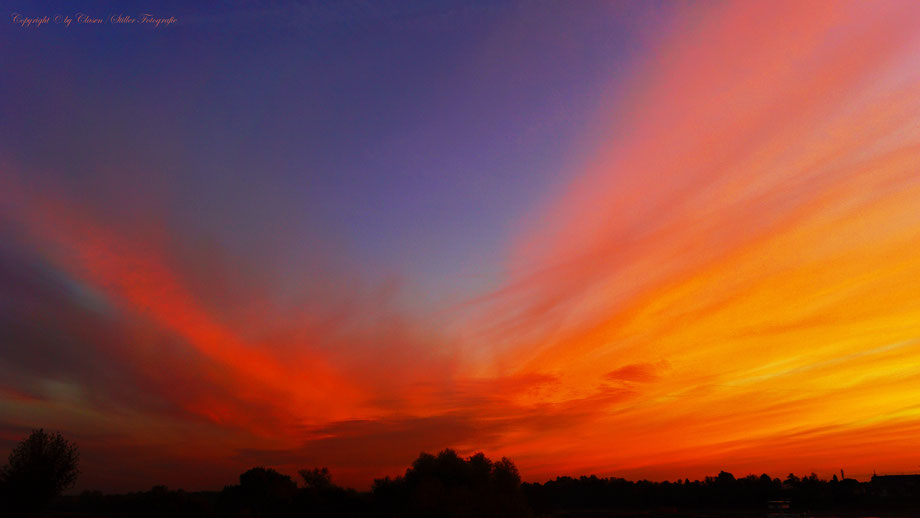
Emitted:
<point x="408" y="139"/>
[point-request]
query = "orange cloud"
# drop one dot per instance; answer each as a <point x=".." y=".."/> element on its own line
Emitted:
<point x="751" y="221"/>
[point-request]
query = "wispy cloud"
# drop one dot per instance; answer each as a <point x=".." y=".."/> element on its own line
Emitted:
<point x="729" y="282"/>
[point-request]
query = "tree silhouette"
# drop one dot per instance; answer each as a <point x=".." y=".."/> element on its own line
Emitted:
<point x="263" y="493"/>
<point x="316" y="478"/>
<point x="41" y="467"/>
<point x="446" y="485"/>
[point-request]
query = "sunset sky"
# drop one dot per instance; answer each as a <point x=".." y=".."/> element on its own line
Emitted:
<point x="636" y="239"/>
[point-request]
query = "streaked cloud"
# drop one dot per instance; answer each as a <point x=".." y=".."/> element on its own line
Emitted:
<point x="729" y="281"/>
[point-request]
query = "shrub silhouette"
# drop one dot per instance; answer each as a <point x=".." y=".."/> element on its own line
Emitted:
<point x="40" y="468"/>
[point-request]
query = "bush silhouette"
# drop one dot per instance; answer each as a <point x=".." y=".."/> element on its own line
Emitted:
<point x="40" y="468"/>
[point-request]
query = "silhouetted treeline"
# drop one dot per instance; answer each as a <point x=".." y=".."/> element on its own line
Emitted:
<point x="723" y="492"/>
<point x="446" y="485"/>
<point x="442" y="485"/>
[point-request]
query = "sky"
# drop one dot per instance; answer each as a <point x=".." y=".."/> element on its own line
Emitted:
<point x="635" y="239"/>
